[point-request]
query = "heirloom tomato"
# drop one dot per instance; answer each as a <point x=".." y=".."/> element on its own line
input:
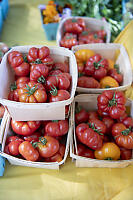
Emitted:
<point x="108" y="121"/>
<point x="92" y="115"/>
<point x="117" y="76"/>
<point x="96" y="67"/>
<point x="88" y="82"/>
<point x="63" y="67"/>
<point x="32" y="138"/>
<point x="112" y="102"/>
<point x="98" y="126"/>
<point x="81" y="115"/>
<point x="28" y="151"/>
<point x="47" y="146"/>
<point x="74" y="25"/>
<point x="108" y="82"/>
<point x="58" y="95"/>
<point x="39" y="73"/>
<point x="13" y="138"/>
<point x="68" y="42"/>
<point x="57" y="128"/>
<point x="109" y="151"/>
<point x="126" y="154"/>
<point x="82" y="55"/>
<point x="88" y="136"/>
<point x="14" y="147"/>
<point x="25" y="128"/>
<point x="84" y="151"/>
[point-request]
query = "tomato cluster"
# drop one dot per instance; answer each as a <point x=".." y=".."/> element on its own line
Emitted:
<point x="41" y="141"/>
<point x="106" y="133"/>
<point x="76" y="32"/>
<point x="95" y="71"/>
<point x="38" y="79"/>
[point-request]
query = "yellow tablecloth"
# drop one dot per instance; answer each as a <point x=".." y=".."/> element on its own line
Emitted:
<point x="23" y="27"/>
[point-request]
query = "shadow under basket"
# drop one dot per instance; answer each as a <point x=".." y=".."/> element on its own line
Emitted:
<point x="50" y="30"/>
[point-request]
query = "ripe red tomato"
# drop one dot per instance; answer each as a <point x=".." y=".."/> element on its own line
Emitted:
<point x="68" y="42"/>
<point x="92" y="115"/>
<point x="101" y="34"/>
<point x="13" y="138"/>
<point x="88" y="136"/>
<point x="96" y="67"/>
<point x="84" y="151"/>
<point x="126" y="154"/>
<point x="63" y="67"/>
<point x="74" y="25"/>
<point x="25" y="128"/>
<point x="117" y="76"/>
<point x="58" y="95"/>
<point x="127" y="121"/>
<point x="81" y="115"/>
<point x="112" y="103"/>
<point x="98" y="125"/>
<point x="6" y="149"/>
<point x="39" y="73"/>
<point x="47" y="146"/>
<point x="14" y="147"/>
<point x="57" y="128"/>
<point x="88" y="82"/>
<point x="32" y="138"/>
<point x="123" y="136"/>
<point x="28" y="151"/>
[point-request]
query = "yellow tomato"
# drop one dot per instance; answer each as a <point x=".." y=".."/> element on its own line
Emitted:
<point x="109" y="151"/>
<point x="83" y="55"/>
<point x="111" y="64"/>
<point x="108" y="82"/>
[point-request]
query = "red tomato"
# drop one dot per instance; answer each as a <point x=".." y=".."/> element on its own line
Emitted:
<point x="2" y="110"/>
<point x="117" y="76"/>
<point x="98" y="126"/>
<point x="68" y="42"/>
<point x="84" y="151"/>
<point x="33" y="138"/>
<point x="112" y="103"/>
<point x="36" y="54"/>
<point x="88" y="136"/>
<point x="88" y="82"/>
<point x="81" y="115"/>
<point x="126" y="154"/>
<point x="127" y="121"/>
<point x="14" y="147"/>
<point x="74" y="25"/>
<point x="58" y="95"/>
<point x="101" y="34"/>
<point x="13" y="138"/>
<point x="6" y="150"/>
<point x="28" y="151"/>
<point x="96" y="67"/>
<point x="122" y="135"/>
<point x="47" y="146"/>
<point x="39" y="73"/>
<point x="20" y="67"/>
<point x="57" y="128"/>
<point x="109" y="122"/>
<point x="25" y="128"/>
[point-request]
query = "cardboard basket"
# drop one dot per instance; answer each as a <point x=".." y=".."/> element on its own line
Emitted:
<point x="36" y="111"/>
<point x="6" y="131"/>
<point x="92" y="23"/>
<point x="89" y="102"/>
<point x="115" y="52"/>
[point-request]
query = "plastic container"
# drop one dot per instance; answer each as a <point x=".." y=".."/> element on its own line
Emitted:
<point x="92" y="23"/>
<point x="36" y="111"/>
<point x="17" y="161"/>
<point x="2" y="165"/>
<point x="89" y="102"/>
<point x="115" y="52"/>
<point x="1" y="19"/>
<point x="4" y="5"/>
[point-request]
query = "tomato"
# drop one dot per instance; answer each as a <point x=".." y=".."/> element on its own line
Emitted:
<point x="58" y="95"/>
<point x="123" y="136"/>
<point x="14" y="147"/>
<point x="80" y="68"/>
<point x="49" y="62"/>
<point x="81" y="115"/>
<point x="19" y="83"/>
<point x="82" y="55"/>
<point x="102" y="114"/>
<point x="33" y="138"/>
<point x="63" y="67"/>
<point x="20" y="67"/>
<point x="6" y="149"/>
<point x="101" y="34"/>
<point x="57" y="128"/>
<point x="2" y="110"/>
<point x="25" y="128"/>
<point x="47" y="146"/>
<point x="61" y="81"/>
<point x="127" y="121"/>
<point x="93" y="38"/>
<point x="84" y="151"/>
<point x="112" y="103"/>
<point x="39" y="73"/>
<point x="68" y="42"/>
<point x="98" y="126"/>
<point x="92" y="115"/>
<point x="74" y="25"/>
<point x="126" y="154"/>
<point x="88" y="136"/>
<point x="36" y="54"/>
<point x="88" y="82"/>
<point x="117" y="76"/>
<point x="109" y="151"/>
<point x="96" y="67"/>
<point x="108" y="121"/>
<point x="70" y="35"/>
<point x="58" y="156"/>
<point x="33" y="93"/>
<point x="108" y="82"/>
<point x="28" y="151"/>
<point x="13" y="138"/>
